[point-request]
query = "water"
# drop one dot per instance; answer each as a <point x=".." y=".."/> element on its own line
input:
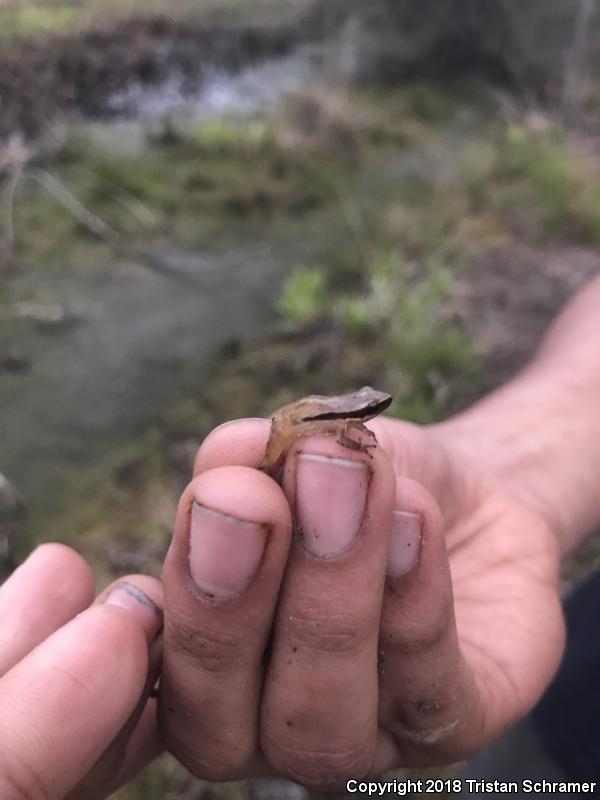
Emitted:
<point x="213" y="93"/>
<point x="216" y="91"/>
<point x="133" y="332"/>
<point x="93" y="382"/>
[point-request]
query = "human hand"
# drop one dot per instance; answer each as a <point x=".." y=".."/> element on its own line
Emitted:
<point x="412" y="619"/>
<point x="75" y="677"/>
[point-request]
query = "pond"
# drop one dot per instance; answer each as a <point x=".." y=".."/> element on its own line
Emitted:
<point x="90" y="355"/>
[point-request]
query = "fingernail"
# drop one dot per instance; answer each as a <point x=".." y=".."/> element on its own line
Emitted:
<point x="405" y="542"/>
<point x="147" y="613"/>
<point x="225" y="552"/>
<point x="331" y="494"/>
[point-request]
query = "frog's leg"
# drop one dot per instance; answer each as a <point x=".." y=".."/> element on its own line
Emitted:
<point x="343" y="438"/>
<point x="275" y="447"/>
<point x="346" y="441"/>
<point x="363" y="428"/>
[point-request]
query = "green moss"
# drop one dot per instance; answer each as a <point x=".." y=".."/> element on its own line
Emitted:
<point x="425" y="357"/>
<point x="477" y="164"/>
<point x="44" y="229"/>
<point x="549" y="169"/>
<point x="33" y="20"/>
<point x="223" y="137"/>
<point x="113" y="501"/>
<point x="304" y="294"/>
<point x="392" y="330"/>
<point x="532" y="180"/>
<point x="26" y="20"/>
<point x="586" y="209"/>
<point x="356" y="316"/>
<point x="192" y="186"/>
<point x="142" y="176"/>
<point x="548" y="177"/>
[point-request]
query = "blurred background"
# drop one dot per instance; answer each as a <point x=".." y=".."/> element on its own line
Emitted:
<point x="209" y="209"/>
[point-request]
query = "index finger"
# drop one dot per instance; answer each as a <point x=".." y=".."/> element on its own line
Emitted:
<point x="240" y="442"/>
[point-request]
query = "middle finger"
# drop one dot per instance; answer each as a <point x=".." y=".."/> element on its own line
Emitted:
<point x="319" y="720"/>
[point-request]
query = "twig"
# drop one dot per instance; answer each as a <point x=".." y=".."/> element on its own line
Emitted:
<point x="14" y="160"/>
<point x="98" y="227"/>
<point x="575" y="58"/>
<point x="516" y="57"/>
<point x="14" y="155"/>
<point x="8" y="202"/>
<point x="74" y="206"/>
<point x="138" y="210"/>
<point x="354" y="220"/>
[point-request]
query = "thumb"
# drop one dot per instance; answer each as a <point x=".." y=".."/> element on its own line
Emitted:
<point x="62" y="705"/>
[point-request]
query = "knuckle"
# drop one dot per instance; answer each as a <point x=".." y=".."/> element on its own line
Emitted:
<point x="223" y="759"/>
<point x="79" y="685"/>
<point x="324" y="768"/>
<point x="10" y="789"/>
<point x="20" y="781"/>
<point x="216" y="649"/>
<point x="331" y="633"/>
<point x="417" y="637"/>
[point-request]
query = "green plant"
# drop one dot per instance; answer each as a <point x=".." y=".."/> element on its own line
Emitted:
<point x="355" y="315"/>
<point x="32" y="20"/>
<point x="558" y="179"/>
<point x="304" y="294"/>
<point x="223" y="136"/>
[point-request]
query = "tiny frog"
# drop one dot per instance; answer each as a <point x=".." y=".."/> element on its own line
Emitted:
<point x="317" y="414"/>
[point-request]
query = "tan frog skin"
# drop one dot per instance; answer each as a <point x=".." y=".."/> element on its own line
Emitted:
<point x="317" y="414"/>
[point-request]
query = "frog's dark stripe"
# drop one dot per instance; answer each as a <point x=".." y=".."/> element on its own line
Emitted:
<point x="371" y="410"/>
